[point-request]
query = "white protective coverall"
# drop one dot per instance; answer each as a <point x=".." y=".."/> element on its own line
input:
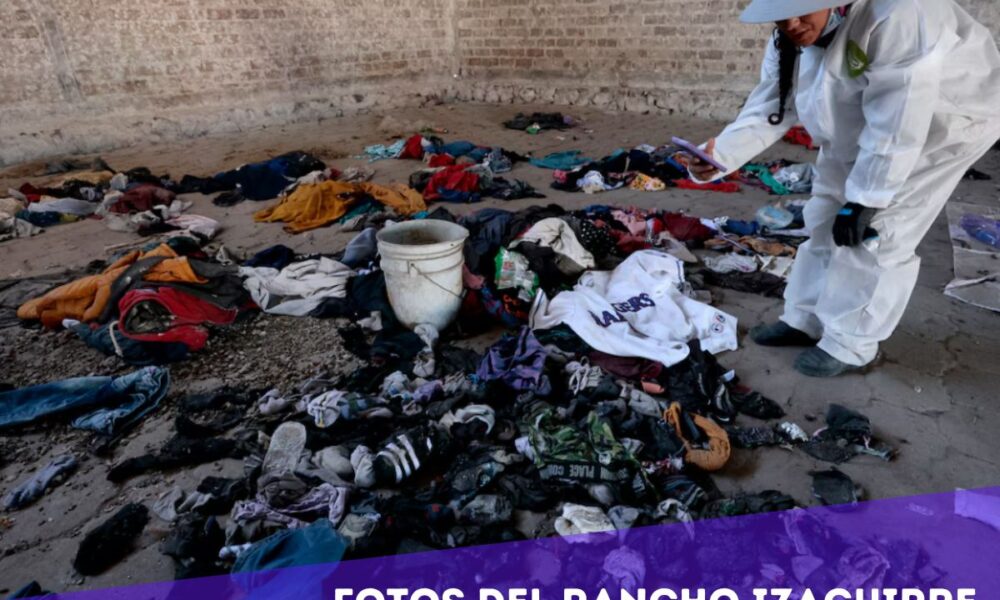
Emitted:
<point x="897" y="137"/>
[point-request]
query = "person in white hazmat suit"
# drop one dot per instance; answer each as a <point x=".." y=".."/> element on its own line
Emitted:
<point x="902" y="97"/>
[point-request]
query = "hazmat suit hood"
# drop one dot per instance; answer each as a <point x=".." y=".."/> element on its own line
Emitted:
<point x="768" y="11"/>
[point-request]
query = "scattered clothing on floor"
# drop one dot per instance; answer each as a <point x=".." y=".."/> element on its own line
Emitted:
<point x="111" y="404"/>
<point x="111" y="541"/>
<point x="318" y="204"/>
<point x="298" y="288"/>
<point x="52" y="474"/>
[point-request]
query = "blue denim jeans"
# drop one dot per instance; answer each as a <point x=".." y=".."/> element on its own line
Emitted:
<point x="110" y="404"/>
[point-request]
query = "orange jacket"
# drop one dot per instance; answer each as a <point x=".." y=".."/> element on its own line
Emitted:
<point x="86" y="298"/>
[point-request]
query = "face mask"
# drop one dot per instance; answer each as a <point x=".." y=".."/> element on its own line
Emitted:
<point x="837" y="16"/>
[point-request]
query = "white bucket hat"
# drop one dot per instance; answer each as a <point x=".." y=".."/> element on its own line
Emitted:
<point x="768" y="11"/>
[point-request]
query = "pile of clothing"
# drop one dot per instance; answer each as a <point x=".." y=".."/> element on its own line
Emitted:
<point x="602" y="407"/>
<point x="436" y="446"/>
<point x="11" y="225"/>
<point x="460" y="171"/>
<point x="133" y="201"/>
<point x="779" y="177"/>
<point x="255" y="181"/>
<point x="755" y="256"/>
<point x="644" y="168"/>
<point x="650" y="169"/>
<point x="150" y="306"/>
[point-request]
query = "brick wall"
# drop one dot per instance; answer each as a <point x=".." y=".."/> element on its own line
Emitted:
<point x="84" y="75"/>
<point x="692" y="56"/>
<point x="662" y="52"/>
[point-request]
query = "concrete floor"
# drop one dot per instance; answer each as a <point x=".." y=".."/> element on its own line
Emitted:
<point x="935" y="396"/>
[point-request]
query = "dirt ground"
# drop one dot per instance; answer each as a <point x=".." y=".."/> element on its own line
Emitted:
<point x="935" y="396"/>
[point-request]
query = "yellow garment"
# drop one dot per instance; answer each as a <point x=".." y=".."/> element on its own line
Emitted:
<point x="91" y="177"/>
<point x="403" y="199"/>
<point x="712" y="458"/>
<point x="645" y="183"/>
<point x="314" y="205"/>
<point x="86" y="298"/>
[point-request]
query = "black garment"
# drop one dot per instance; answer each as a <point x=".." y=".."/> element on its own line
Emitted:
<point x="452" y="359"/>
<point x="224" y="289"/>
<point x="975" y="175"/>
<point x="225" y="493"/>
<point x="612" y="167"/>
<point x="194" y="544"/>
<point x="833" y="487"/>
<point x="526" y="493"/>
<point x="511" y="189"/>
<point x="753" y="437"/>
<point x="847" y="434"/>
<point x="473" y="470"/>
<point x="848" y="424"/>
<point x="765" y="284"/>
<point x="257" y="181"/>
<point x="187" y="427"/>
<point x="395" y="347"/>
<point x="522" y="220"/>
<point x="217" y="400"/>
<point x="130" y="278"/>
<point x="229" y="198"/>
<point x="488" y="229"/>
<point x="564" y="338"/>
<point x="829" y="450"/>
<point x="144" y="175"/>
<point x="661" y="441"/>
<point x="365" y="294"/>
<point x="553" y="120"/>
<point x="544" y="262"/>
<point x="754" y="404"/>
<point x="748" y="504"/>
<point x="699" y="384"/>
<point x="178" y="452"/>
<point x="111" y="541"/>
<point x="276" y="257"/>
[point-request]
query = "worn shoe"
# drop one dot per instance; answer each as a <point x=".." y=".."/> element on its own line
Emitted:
<point x="780" y="334"/>
<point x="815" y="362"/>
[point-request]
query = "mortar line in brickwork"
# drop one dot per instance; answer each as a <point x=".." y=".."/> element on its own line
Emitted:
<point x="52" y="33"/>
<point x="451" y="36"/>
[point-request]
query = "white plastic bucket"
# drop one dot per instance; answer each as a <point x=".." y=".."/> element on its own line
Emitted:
<point x="422" y="261"/>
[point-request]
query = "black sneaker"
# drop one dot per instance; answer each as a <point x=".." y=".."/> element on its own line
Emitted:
<point x="780" y="334"/>
<point x="815" y="362"/>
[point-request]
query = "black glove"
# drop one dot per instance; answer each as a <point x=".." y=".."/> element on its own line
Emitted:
<point x="851" y="227"/>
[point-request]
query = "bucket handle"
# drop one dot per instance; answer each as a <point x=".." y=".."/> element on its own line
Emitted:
<point x="412" y="269"/>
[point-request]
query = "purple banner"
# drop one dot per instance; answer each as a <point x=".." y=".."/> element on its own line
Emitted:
<point x="939" y="547"/>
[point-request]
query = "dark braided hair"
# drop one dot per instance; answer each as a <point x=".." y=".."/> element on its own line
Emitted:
<point x="788" y="56"/>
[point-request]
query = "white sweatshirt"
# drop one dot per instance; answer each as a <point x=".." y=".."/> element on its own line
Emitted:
<point x="636" y="310"/>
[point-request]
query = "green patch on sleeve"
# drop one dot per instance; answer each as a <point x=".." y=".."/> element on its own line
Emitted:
<point x="857" y="60"/>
